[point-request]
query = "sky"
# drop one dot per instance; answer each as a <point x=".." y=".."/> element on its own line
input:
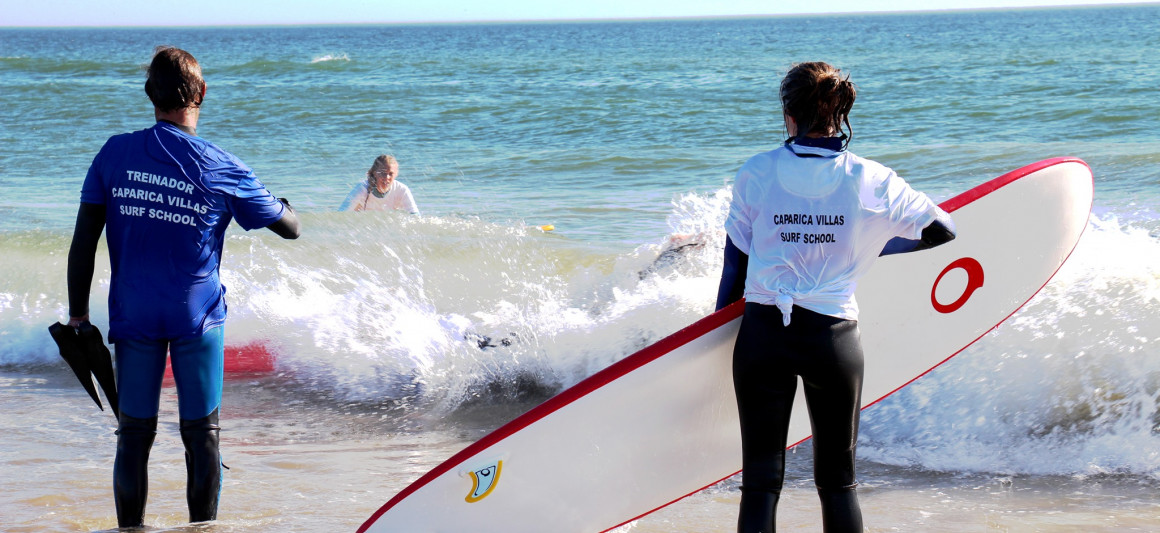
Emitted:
<point x="262" y="12"/>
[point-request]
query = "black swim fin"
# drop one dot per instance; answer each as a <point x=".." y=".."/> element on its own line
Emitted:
<point x="100" y="362"/>
<point x="70" y="349"/>
<point x="85" y="352"/>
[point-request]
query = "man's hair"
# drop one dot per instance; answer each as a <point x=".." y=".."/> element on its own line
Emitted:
<point x="174" y="81"/>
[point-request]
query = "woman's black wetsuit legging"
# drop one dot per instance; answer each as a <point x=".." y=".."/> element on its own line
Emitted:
<point x="827" y="353"/>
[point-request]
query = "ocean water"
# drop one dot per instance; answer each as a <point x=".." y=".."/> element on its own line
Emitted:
<point x="399" y="340"/>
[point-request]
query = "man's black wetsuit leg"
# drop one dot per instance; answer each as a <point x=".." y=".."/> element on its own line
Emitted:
<point x="203" y="466"/>
<point x="130" y="469"/>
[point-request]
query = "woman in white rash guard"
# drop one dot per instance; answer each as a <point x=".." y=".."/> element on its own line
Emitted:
<point x="806" y="221"/>
<point x="381" y="191"/>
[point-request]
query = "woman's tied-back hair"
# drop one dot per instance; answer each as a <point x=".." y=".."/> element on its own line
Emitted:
<point x="174" y="81"/>
<point x="819" y="99"/>
<point x="382" y="161"/>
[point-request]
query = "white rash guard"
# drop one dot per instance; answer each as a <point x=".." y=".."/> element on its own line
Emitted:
<point x="398" y="196"/>
<point x="813" y="220"/>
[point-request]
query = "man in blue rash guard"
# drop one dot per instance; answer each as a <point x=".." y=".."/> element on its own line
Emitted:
<point x="167" y="197"/>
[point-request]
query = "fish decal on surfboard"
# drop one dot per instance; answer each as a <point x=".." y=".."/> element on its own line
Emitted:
<point x="483" y="480"/>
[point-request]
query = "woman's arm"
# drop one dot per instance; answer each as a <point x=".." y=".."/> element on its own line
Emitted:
<point x="940" y="231"/>
<point x="357" y="199"/>
<point x="732" y="286"/>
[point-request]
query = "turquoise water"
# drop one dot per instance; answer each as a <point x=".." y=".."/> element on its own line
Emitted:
<point x="594" y="126"/>
<point x="624" y="136"/>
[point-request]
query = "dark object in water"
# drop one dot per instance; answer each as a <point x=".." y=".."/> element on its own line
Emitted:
<point x="484" y="342"/>
<point x="85" y="352"/>
<point x="675" y="249"/>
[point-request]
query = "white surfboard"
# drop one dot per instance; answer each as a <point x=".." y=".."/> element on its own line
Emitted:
<point x="662" y="424"/>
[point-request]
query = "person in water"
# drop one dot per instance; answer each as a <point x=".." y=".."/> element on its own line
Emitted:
<point x="381" y="191"/>
<point x="806" y="221"/>
<point x="166" y="196"/>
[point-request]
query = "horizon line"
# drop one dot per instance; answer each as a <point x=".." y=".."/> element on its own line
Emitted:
<point x="593" y="19"/>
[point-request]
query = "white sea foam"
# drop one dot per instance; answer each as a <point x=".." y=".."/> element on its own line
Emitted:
<point x="324" y="58"/>
<point x="445" y="312"/>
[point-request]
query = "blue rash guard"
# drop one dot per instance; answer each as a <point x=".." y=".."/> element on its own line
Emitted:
<point x="169" y="197"/>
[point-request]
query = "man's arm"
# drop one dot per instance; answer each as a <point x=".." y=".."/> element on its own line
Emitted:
<point x="82" y="259"/>
<point x="286" y="227"/>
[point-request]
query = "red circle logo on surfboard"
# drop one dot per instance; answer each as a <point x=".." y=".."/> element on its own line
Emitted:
<point x="974" y="272"/>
